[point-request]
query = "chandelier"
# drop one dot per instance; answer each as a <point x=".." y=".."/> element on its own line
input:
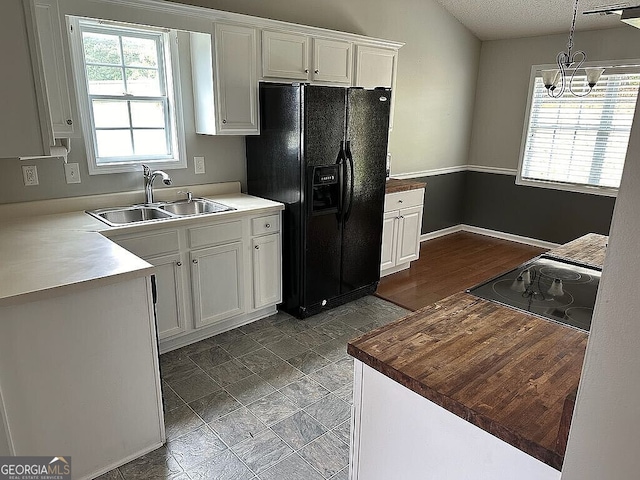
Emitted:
<point x="556" y="81"/>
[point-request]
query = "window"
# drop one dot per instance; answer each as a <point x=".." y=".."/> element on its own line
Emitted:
<point x="128" y="98"/>
<point x="579" y="143"/>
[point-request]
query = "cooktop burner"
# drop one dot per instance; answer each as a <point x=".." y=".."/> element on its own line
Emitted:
<point x="550" y="288"/>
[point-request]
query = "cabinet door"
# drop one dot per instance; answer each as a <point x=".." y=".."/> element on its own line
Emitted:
<point x="389" y="239"/>
<point x="54" y="68"/>
<point x="170" y="295"/>
<point x="409" y="226"/>
<point x="267" y="271"/>
<point x="285" y="55"/>
<point x="332" y="61"/>
<point x="216" y="283"/>
<point x="376" y="67"/>
<point x="236" y="80"/>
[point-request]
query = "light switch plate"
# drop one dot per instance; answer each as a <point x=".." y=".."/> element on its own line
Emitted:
<point x="72" y="173"/>
<point x="30" y="175"/>
<point x="199" y="165"/>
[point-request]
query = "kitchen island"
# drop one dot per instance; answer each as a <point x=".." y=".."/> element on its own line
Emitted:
<point x="467" y="388"/>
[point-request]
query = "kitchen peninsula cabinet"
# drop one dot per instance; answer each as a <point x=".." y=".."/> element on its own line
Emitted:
<point x="213" y="275"/>
<point x="401" y="228"/>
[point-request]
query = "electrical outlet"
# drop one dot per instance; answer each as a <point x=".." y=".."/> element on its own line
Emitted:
<point x="30" y="175"/>
<point x="199" y="164"/>
<point x="72" y="173"/>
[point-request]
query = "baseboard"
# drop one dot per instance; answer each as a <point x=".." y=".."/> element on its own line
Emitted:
<point x="440" y="233"/>
<point x="490" y="233"/>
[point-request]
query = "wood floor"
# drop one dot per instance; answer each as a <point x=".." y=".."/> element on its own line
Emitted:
<point x="451" y="264"/>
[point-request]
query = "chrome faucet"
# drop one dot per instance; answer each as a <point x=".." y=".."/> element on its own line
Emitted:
<point x="149" y="177"/>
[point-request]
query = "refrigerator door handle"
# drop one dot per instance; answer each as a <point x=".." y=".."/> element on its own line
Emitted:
<point x="343" y="178"/>
<point x="352" y="174"/>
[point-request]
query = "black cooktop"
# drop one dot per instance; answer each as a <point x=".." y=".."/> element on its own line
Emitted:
<point x="549" y="288"/>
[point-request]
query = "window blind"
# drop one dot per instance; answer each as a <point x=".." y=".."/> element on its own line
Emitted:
<point x="580" y="140"/>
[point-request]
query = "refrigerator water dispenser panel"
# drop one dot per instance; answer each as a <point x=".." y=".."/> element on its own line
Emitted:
<point x="325" y="189"/>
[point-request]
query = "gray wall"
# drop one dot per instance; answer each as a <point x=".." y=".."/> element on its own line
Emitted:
<point x="494" y="201"/>
<point x="433" y="111"/>
<point x="503" y="86"/>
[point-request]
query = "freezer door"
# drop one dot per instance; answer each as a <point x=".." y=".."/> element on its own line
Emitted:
<point x="324" y="112"/>
<point x="366" y="139"/>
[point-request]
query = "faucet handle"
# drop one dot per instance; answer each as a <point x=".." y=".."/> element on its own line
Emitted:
<point x="188" y="194"/>
<point x="146" y="171"/>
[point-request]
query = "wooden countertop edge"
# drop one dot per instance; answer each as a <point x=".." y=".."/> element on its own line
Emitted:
<point x="395" y="185"/>
<point x="551" y="458"/>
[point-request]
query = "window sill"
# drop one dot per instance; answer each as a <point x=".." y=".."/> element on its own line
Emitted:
<point x="135" y="166"/>
<point x="568" y="187"/>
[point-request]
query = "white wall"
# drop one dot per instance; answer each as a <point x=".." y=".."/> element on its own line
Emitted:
<point x="435" y="93"/>
<point x="503" y="85"/>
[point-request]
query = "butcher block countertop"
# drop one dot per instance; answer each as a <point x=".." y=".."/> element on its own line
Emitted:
<point x="588" y="249"/>
<point x="395" y="185"/>
<point x="510" y="373"/>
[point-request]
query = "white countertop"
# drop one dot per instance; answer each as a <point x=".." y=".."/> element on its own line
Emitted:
<point x="49" y="255"/>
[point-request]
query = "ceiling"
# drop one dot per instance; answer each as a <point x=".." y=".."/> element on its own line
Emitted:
<point x="499" y="19"/>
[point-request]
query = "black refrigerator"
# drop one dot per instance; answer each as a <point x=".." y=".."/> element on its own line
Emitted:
<point x="322" y="152"/>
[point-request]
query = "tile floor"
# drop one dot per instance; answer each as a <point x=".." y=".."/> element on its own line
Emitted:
<point x="267" y="401"/>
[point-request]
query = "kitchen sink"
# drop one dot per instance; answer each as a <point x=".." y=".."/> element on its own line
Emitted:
<point x="117" y="216"/>
<point x="197" y="206"/>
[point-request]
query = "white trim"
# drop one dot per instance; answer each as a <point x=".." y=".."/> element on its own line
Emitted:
<point x="430" y="173"/>
<point x="496" y="170"/>
<point x="490" y="233"/>
<point x="460" y="168"/>
<point x="440" y="233"/>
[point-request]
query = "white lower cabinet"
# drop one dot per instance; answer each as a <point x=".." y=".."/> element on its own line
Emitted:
<point x="401" y="230"/>
<point x="267" y="270"/>
<point x="211" y="276"/>
<point x="217" y="283"/>
<point x="170" y="316"/>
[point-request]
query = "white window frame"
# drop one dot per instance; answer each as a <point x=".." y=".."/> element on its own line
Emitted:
<point x="169" y="68"/>
<point x="536" y="72"/>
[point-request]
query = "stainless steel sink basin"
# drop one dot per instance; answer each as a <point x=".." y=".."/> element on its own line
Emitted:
<point x="124" y="215"/>
<point x="117" y="216"/>
<point x="197" y="206"/>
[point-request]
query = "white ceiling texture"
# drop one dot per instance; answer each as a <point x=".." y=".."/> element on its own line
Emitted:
<point x="500" y="19"/>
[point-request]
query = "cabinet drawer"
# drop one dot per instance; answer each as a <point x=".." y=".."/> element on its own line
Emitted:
<point x="409" y="198"/>
<point x="215" y="234"/>
<point x="150" y="245"/>
<point x="262" y="225"/>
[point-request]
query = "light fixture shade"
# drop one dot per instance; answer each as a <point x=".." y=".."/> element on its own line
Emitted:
<point x="556" y="289"/>
<point x="550" y="78"/>
<point x="593" y="75"/>
<point x="518" y="285"/>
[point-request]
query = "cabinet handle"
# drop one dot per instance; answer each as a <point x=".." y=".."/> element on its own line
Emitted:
<point x="306" y="70"/>
<point x="257" y="247"/>
<point x="224" y="121"/>
<point x="69" y="121"/>
<point x="400" y="201"/>
<point x="316" y="71"/>
<point x="268" y="225"/>
<point x="195" y="260"/>
<point x="179" y="264"/>
<point x="401" y="216"/>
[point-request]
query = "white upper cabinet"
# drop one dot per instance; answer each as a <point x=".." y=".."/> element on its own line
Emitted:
<point x="285" y="55"/>
<point x="225" y="80"/>
<point x="332" y="61"/>
<point x="54" y="67"/>
<point x="375" y="67"/>
<point x="237" y="79"/>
